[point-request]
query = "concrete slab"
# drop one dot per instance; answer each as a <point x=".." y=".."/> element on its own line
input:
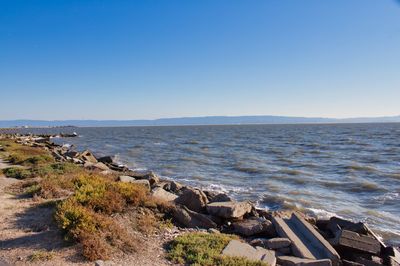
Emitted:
<point x="236" y="248"/>
<point x="295" y="261"/>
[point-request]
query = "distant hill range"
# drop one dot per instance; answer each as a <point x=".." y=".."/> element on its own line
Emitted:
<point x="208" y="120"/>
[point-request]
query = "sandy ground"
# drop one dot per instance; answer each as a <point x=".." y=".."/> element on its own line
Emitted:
<point x="27" y="228"/>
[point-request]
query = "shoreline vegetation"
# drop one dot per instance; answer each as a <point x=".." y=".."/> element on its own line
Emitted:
<point x="109" y="214"/>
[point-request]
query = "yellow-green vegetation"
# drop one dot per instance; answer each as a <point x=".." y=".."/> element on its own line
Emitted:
<point x="204" y="249"/>
<point x="25" y="155"/>
<point x="85" y="216"/>
<point x="86" y="200"/>
<point x="41" y="255"/>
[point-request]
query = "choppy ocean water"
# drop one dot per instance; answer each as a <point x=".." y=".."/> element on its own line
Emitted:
<point x="349" y="170"/>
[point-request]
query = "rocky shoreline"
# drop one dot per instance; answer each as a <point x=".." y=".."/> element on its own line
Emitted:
<point x="283" y="238"/>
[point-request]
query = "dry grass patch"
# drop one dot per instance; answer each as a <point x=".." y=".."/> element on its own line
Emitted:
<point x="41" y="255"/>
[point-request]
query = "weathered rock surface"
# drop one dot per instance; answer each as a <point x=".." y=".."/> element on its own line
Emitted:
<point x="192" y="219"/>
<point x="105" y="159"/>
<point x="161" y="194"/>
<point x="236" y="248"/>
<point x="101" y="166"/>
<point x="126" y="179"/>
<point x="277" y="243"/>
<point x="87" y="156"/>
<point x="295" y="261"/>
<point x="253" y="226"/>
<point x="217" y="196"/>
<point x="175" y="186"/>
<point x="229" y="209"/>
<point x="193" y="199"/>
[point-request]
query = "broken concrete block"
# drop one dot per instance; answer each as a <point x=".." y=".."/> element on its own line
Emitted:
<point x="229" y="209"/>
<point x="277" y="243"/>
<point x="236" y="248"/>
<point x="306" y="241"/>
<point x="295" y="261"/>
<point x="353" y="241"/>
<point x="336" y="224"/>
<point x="253" y="226"/>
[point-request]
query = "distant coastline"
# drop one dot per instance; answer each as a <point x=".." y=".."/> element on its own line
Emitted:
<point x="195" y="121"/>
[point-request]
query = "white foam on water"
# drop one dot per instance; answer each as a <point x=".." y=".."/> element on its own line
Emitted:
<point x="323" y="214"/>
<point x="387" y="196"/>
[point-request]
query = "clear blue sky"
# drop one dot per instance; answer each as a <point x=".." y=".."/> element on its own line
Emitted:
<point x="81" y="59"/>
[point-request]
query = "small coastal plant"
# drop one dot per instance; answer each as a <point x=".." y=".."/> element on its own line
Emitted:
<point x="205" y="249"/>
<point x="16" y="172"/>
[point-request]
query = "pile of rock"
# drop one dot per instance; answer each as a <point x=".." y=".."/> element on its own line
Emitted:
<point x="275" y="238"/>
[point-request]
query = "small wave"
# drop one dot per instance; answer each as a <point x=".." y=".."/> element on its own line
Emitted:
<point x="248" y="170"/>
<point x="291" y="179"/>
<point x="388" y="197"/>
<point x="226" y="188"/>
<point x="279" y="202"/>
<point x="365" y="187"/>
<point x="357" y="167"/>
<point x="294" y="172"/>
<point x="322" y="214"/>
<point x="393" y="175"/>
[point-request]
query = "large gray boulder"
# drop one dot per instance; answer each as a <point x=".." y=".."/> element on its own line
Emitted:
<point x="236" y="248"/>
<point x="148" y="175"/>
<point x="214" y="196"/>
<point x="229" y="209"/>
<point x="194" y="199"/>
<point x="192" y="219"/>
<point x="163" y="195"/>
<point x="253" y="226"/>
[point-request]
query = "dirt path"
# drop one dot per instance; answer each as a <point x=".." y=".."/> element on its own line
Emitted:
<point x="28" y="234"/>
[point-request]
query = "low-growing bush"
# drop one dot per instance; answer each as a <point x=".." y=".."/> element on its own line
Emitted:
<point x="33" y="189"/>
<point x="204" y="249"/>
<point x="41" y="255"/>
<point x="107" y="196"/>
<point x="75" y="219"/>
<point x="85" y="215"/>
<point x="16" y="172"/>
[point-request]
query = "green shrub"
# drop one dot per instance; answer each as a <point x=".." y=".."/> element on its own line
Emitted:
<point x="204" y="249"/>
<point x="38" y="159"/>
<point x="33" y="189"/>
<point x="18" y="173"/>
<point x="75" y="219"/>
